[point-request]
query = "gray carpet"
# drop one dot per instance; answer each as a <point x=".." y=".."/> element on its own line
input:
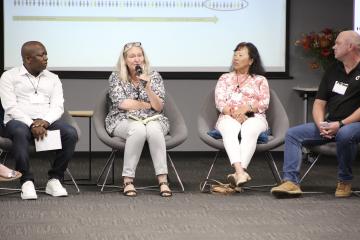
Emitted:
<point x="190" y="215"/>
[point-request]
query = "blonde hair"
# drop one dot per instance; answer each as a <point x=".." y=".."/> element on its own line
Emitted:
<point x="121" y="66"/>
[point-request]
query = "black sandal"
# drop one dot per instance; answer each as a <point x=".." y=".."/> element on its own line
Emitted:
<point x="128" y="192"/>
<point x="165" y="193"/>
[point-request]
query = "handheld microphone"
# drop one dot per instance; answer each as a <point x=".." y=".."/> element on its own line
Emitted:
<point x="138" y="70"/>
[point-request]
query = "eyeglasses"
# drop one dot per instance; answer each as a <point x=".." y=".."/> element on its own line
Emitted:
<point x="131" y="44"/>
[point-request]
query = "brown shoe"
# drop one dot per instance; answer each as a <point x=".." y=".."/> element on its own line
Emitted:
<point x="287" y="189"/>
<point x="343" y="189"/>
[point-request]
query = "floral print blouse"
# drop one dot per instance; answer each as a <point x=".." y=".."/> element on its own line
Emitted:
<point x="233" y="90"/>
<point x="120" y="90"/>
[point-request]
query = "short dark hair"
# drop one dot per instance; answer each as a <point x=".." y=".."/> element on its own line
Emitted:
<point x="26" y="48"/>
<point x="256" y="67"/>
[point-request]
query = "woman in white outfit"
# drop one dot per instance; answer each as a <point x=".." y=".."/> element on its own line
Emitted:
<point x="137" y="97"/>
<point x="242" y="97"/>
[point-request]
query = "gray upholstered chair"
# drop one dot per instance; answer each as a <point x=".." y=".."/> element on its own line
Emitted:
<point x="277" y="120"/>
<point x="6" y="143"/>
<point x="176" y="136"/>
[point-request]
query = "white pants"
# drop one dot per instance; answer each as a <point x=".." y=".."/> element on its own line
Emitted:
<point x="243" y="151"/>
<point x="136" y="134"/>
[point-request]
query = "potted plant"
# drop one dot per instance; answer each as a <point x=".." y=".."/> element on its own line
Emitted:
<point x="318" y="46"/>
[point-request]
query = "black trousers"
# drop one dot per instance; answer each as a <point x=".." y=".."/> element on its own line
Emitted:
<point x="21" y="137"/>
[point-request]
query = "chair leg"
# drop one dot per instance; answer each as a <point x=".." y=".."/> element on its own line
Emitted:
<point x="357" y="193"/>
<point x="107" y="174"/>
<point x="273" y="167"/>
<point x="306" y="173"/>
<point x="110" y="160"/>
<point x="308" y="170"/>
<point x="155" y="187"/>
<point x="73" y="180"/>
<point x="210" y="170"/>
<point x="108" y="165"/>
<point x="274" y="170"/>
<point x="15" y="190"/>
<point x="176" y="173"/>
<point x="9" y="191"/>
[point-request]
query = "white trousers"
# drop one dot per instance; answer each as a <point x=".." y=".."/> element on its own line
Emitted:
<point x="250" y="130"/>
<point x="136" y="134"/>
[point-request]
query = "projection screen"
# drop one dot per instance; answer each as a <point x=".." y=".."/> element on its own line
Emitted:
<point x="178" y="36"/>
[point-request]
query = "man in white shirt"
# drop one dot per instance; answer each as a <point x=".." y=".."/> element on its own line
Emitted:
<point x="32" y="98"/>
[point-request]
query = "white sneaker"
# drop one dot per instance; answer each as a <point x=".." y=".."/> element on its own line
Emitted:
<point x="28" y="191"/>
<point x="55" y="189"/>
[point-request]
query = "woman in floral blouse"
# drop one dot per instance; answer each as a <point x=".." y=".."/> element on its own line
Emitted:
<point x="137" y="93"/>
<point x="242" y="97"/>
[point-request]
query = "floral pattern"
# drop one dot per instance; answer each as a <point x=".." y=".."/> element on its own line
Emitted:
<point x="235" y="90"/>
<point x="121" y="90"/>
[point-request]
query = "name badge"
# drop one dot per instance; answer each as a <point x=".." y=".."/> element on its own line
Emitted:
<point x="340" y="87"/>
<point x="36" y="98"/>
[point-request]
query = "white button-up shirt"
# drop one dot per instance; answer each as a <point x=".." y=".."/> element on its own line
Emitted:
<point x="25" y="97"/>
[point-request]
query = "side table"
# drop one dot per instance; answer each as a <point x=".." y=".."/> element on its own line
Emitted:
<point x="85" y="114"/>
<point x="305" y="93"/>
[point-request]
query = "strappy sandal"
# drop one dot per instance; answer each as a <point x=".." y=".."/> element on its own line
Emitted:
<point x="10" y="175"/>
<point x="165" y="193"/>
<point x="237" y="181"/>
<point x="131" y="192"/>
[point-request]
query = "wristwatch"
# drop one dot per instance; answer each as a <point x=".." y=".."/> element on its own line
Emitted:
<point x="341" y="124"/>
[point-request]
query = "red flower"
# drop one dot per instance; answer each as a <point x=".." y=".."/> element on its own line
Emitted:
<point x="318" y="46"/>
<point x="305" y="42"/>
<point x="325" y="52"/>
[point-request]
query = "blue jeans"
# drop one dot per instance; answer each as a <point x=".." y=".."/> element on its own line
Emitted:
<point x="21" y="137"/>
<point x="347" y="139"/>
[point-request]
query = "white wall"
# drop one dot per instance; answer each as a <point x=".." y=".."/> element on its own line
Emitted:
<point x="305" y="16"/>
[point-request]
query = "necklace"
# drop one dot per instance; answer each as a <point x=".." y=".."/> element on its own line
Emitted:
<point x="37" y="86"/>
